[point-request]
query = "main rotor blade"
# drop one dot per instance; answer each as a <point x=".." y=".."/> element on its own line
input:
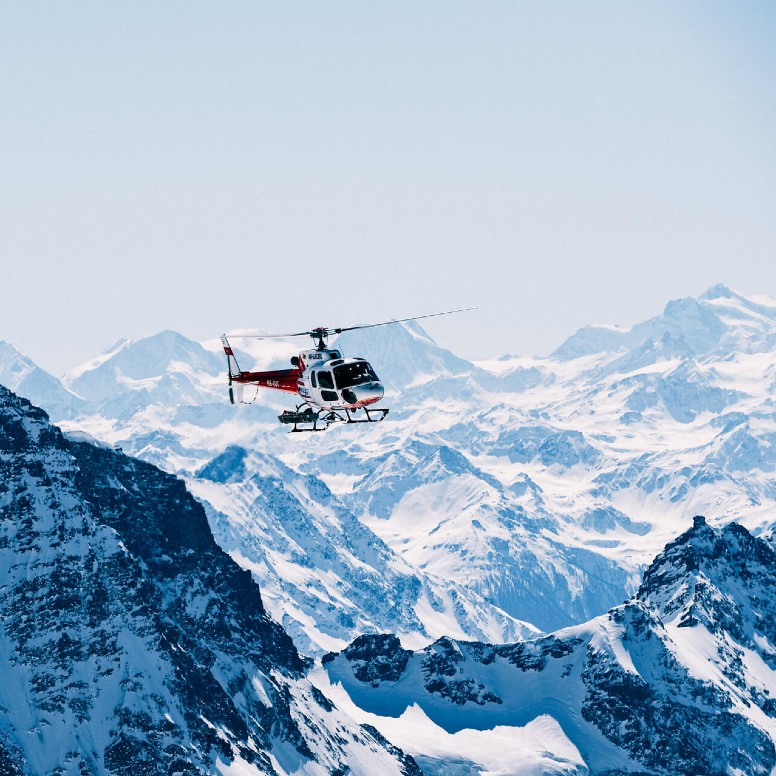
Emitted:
<point x="326" y="332"/>
<point x="400" y="320"/>
<point x="269" y="336"/>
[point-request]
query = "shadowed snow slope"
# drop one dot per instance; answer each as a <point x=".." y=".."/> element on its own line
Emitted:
<point x="681" y="679"/>
<point x="129" y="641"/>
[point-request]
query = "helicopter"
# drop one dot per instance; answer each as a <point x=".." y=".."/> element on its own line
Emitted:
<point x="332" y="388"/>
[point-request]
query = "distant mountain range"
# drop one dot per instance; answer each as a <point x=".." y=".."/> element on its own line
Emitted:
<point x="496" y="498"/>
<point x="500" y="501"/>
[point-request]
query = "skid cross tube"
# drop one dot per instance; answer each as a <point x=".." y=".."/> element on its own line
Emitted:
<point x="307" y="416"/>
<point x="369" y="419"/>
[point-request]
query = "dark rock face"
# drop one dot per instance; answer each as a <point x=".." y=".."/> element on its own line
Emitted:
<point x="441" y="667"/>
<point x="671" y="721"/>
<point x="130" y="642"/>
<point x="376" y="658"/>
<point x="674" y="681"/>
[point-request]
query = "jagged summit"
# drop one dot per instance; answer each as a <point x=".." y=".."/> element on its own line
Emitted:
<point x="722" y="554"/>
<point x="723" y="578"/>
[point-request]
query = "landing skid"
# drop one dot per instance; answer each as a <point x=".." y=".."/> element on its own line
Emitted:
<point x="308" y="419"/>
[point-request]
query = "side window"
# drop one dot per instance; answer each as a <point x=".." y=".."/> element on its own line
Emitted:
<point x="329" y="396"/>
<point x="314" y="378"/>
<point x="325" y="380"/>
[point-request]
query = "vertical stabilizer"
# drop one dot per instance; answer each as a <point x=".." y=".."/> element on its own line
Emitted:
<point x="229" y="358"/>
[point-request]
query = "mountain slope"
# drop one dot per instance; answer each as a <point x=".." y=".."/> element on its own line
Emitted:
<point x="442" y="514"/>
<point x="27" y="379"/>
<point x="681" y="679"/>
<point x="326" y="575"/>
<point x="129" y="641"/>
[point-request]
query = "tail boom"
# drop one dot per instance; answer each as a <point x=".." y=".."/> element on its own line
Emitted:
<point x="279" y="379"/>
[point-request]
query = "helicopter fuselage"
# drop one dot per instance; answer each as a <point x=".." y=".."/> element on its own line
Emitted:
<point x="323" y="379"/>
<point x="330" y="381"/>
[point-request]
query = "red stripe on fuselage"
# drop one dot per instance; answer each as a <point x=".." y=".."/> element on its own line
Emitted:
<point x="279" y="379"/>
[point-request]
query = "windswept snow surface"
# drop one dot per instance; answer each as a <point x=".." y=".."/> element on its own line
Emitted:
<point x="538" y="747"/>
<point x="495" y="499"/>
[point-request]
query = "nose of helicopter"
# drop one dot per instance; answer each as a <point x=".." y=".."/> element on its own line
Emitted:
<point x="367" y="393"/>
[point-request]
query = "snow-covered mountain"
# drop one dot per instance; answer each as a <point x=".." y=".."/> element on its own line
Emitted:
<point x="130" y="642"/>
<point x="324" y="573"/>
<point x="495" y="496"/>
<point x="680" y="679"/>
<point x="496" y="501"/>
<point x="18" y="373"/>
<point x="404" y="355"/>
<point x="720" y="321"/>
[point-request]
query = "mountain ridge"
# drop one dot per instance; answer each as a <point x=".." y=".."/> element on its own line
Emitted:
<point x="690" y="326"/>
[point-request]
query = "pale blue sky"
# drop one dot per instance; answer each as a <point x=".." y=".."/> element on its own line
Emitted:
<point x="207" y="166"/>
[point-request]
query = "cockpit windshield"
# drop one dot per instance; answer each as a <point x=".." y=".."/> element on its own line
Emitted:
<point x="354" y="374"/>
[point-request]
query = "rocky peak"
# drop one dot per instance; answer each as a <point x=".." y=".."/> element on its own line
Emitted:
<point x="723" y="577"/>
<point x="719" y="291"/>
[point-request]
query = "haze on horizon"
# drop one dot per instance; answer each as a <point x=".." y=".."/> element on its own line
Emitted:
<point x="280" y="166"/>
